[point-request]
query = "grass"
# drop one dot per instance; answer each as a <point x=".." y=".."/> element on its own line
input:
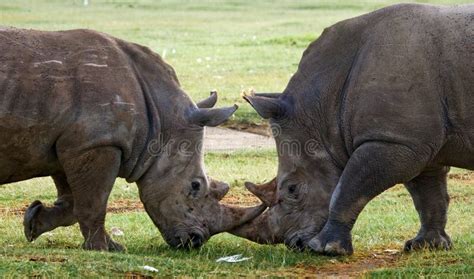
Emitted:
<point x="229" y="45"/>
<point x="386" y="223"/>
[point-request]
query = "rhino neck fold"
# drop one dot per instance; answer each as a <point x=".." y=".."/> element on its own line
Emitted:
<point x="161" y="98"/>
<point x="146" y="157"/>
<point x="319" y="89"/>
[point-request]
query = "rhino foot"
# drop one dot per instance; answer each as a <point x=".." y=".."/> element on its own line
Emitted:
<point x="108" y="245"/>
<point x="332" y="243"/>
<point x="115" y="247"/>
<point x="433" y="240"/>
<point x="29" y="220"/>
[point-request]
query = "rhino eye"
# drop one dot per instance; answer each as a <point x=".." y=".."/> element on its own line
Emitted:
<point x="292" y="188"/>
<point x="195" y="186"/>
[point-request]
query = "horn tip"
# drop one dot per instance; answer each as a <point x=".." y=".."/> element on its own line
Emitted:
<point x="250" y="185"/>
<point x="247" y="98"/>
<point x="244" y="93"/>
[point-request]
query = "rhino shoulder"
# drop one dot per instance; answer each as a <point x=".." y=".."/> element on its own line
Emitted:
<point x="149" y="63"/>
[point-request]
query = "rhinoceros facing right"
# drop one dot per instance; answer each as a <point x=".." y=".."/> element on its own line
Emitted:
<point x="377" y="100"/>
<point x="85" y="108"/>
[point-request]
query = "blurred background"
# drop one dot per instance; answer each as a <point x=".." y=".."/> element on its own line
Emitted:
<point x="228" y="45"/>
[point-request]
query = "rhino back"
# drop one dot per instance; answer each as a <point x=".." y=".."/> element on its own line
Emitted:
<point x="62" y="92"/>
<point x="401" y="74"/>
<point x="413" y="79"/>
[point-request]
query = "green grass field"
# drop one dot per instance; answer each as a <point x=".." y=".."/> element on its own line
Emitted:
<point x="379" y="235"/>
<point x="230" y="46"/>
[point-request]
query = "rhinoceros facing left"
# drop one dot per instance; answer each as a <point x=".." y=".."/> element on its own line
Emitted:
<point x="377" y="100"/>
<point x="86" y="108"/>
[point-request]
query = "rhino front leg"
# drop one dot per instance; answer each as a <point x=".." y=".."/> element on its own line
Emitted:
<point x="91" y="177"/>
<point x="39" y="219"/>
<point x="430" y="195"/>
<point x="372" y="168"/>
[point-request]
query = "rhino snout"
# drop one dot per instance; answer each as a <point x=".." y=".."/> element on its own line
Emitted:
<point x="188" y="241"/>
<point x="298" y="241"/>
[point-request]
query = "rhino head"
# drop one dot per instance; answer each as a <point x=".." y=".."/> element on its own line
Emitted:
<point x="177" y="194"/>
<point x="299" y="197"/>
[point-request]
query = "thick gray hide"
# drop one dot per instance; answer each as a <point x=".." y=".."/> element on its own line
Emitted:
<point x="381" y="99"/>
<point x="85" y="108"/>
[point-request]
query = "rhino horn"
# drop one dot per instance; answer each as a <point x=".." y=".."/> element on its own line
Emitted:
<point x="234" y="217"/>
<point x="258" y="230"/>
<point x="265" y="192"/>
<point x="267" y="107"/>
<point x="231" y="217"/>
<point x="209" y="102"/>
<point x="211" y="117"/>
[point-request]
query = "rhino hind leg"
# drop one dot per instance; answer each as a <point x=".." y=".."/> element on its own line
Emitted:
<point x="372" y="168"/>
<point x="39" y="219"/>
<point x="431" y="199"/>
<point x="91" y="177"/>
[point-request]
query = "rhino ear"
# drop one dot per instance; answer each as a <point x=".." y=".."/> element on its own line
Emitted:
<point x="218" y="189"/>
<point x="265" y="192"/>
<point x="267" y="107"/>
<point x="211" y="117"/>
<point x="208" y="102"/>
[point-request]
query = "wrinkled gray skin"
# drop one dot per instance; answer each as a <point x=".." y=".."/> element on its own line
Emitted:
<point x="377" y="100"/>
<point x="86" y="108"/>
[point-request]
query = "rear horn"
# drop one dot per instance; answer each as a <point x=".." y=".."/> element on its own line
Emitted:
<point x="209" y="102"/>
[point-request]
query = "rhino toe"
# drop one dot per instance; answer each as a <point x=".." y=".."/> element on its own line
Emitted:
<point x="29" y="223"/>
<point x="336" y="248"/>
<point x="433" y="240"/>
<point x="332" y="242"/>
<point x="102" y="243"/>
<point x="115" y="247"/>
<point x="316" y="245"/>
<point x="332" y="248"/>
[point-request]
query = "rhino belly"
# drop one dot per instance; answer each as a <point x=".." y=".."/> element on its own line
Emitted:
<point x="458" y="151"/>
<point x="26" y="151"/>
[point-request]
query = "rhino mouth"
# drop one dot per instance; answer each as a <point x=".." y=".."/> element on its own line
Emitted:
<point x="275" y="226"/>
<point x="197" y="229"/>
<point x="228" y="219"/>
<point x="298" y="241"/>
<point x="295" y="243"/>
<point x="192" y="240"/>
